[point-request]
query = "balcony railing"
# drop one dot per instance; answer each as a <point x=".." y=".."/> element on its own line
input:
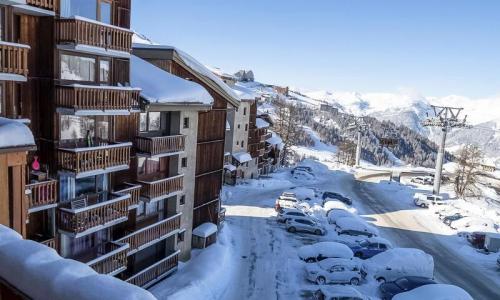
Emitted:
<point x="97" y="98"/>
<point x="134" y="190"/>
<point x="45" y="4"/>
<point x="156" y="271"/>
<point x="88" y="32"/>
<point x="104" y="157"/>
<point x="14" y="58"/>
<point x="42" y="194"/>
<point x="160" y="145"/>
<point x="50" y="243"/>
<point x="110" y="258"/>
<point x="148" y="235"/>
<point x="108" y="209"/>
<point x="157" y="189"/>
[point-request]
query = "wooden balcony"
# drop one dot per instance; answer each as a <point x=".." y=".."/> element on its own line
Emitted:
<point x="160" y="146"/>
<point x="81" y="31"/>
<point x="86" y="215"/>
<point x="14" y="60"/>
<point x="42" y="195"/>
<point x="158" y="187"/>
<point x="134" y="190"/>
<point x="44" y="4"/>
<point x="149" y="235"/>
<point x="108" y="258"/>
<point x="155" y="272"/>
<point x="51" y="243"/>
<point x="102" y="158"/>
<point x="97" y="100"/>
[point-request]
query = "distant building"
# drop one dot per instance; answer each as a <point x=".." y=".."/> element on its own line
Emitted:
<point x="329" y="109"/>
<point x="281" y="90"/>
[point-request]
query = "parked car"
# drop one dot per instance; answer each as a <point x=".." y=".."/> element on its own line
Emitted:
<point x="287" y="213"/>
<point x="302" y="169"/>
<point x="355" y="227"/>
<point x="435" y="291"/>
<point x="477" y="239"/>
<point x="323" y="250"/>
<point x="339" y="292"/>
<point x="286" y="200"/>
<point x="305" y="225"/>
<point x="418" y="180"/>
<point x="449" y="219"/>
<point x="302" y="193"/>
<point x="426" y="200"/>
<point x="399" y="262"/>
<point x="473" y="223"/>
<point x="401" y="285"/>
<point x="448" y="211"/>
<point x="336" y="213"/>
<point x="335" y="270"/>
<point x="336" y="196"/>
<point x="370" y="247"/>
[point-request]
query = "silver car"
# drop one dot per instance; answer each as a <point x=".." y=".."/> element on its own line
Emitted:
<point x="310" y="225"/>
<point x="288" y="213"/>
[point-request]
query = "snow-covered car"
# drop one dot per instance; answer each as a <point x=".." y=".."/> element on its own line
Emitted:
<point x="304" y="225"/>
<point x="302" y="193"/>
<point x="332" y="204"/>
<point x="370" y="247"/>
<point x="435" y="292"/>
<point x="473" y="223"/>
<point x="285" y="201"/>
<point x="302" y="169"/>
<point x="323" y="250"/>
<point x="334" y="214"/>
<point x="448" y="211"/>
<point x="399" y="262"/>
<point x="426" y="200"/>
<point x="404" y="284"/>
<point x="419" y="180"/>
<point x="338" y="292"/>
<point x="355" y="227"/>
<point x="336" y="196"/>
<point x="452" y="218"/>
<point x="287" y="213"/>
<point x="335" y="270"/>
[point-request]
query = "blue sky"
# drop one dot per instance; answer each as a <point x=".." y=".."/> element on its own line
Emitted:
<point x="438" y="47"/>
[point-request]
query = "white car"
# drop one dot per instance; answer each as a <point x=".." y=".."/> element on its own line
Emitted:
<point x="323" y="250"/>
<point x="287" y="213"/>
<point x="338" y="292"/>
<point x="334" y="214"/>
<point x="302" y="224"/>
<point x="335" y="270"/>
<point x="399" y="262"/>
<point x="285" y="201"/>
<point x="426" y="200"/>
<point x="355" y="227"/>
<point x="419" y="180"/>
<point x="435" y="291"/>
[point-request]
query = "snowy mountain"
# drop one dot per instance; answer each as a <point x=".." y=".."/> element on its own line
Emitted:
<point x="486" y="135"/>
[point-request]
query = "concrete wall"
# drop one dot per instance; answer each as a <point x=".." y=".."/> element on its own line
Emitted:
<point x="242" y="118"/>
<point x="191" y="134"/>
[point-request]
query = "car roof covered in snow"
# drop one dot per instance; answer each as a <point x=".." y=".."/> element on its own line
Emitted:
<point x="355" y="223"/>
<point x="339" y="213"/>
<point x="435" y="292"/>
<point x="380" y="240"/>
<point x="407" y="258"/>
<point x="161" y="87"/>
<point x="15" y="134"/>
<point x="39" y="272"/>
<point x="330" y="262"/>
<point x="205" y="230"/>
<point x="340" y="291"/>
<point x="328" y="249"/>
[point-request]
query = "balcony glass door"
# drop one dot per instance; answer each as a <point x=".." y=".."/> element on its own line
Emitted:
<point x="82" y="8"/>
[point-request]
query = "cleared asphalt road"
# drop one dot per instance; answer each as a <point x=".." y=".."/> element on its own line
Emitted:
<point x="405" y="231"/>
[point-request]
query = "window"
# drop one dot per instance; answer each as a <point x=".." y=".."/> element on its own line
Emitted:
<point x="104" y="66"/>
<point x="150" y="121"/>
<point x="237" y="143"/>
<point x="148" y="165"/>
<point x="77" y="68"/>
<point x="186" y="123"/>
<point x="184" y="162"/>
<point x="242" y="143"/>
<point x="239" y="126"/>
<point x="244" y="111"/>
<point x="105" y="11"/>
<point x="2" y="109"/>
<point x="246" y="127"/>
<point x="76" y="127"/>
<point x="83" y="8"/>
<point x="182" y="200"/>
<point x="2" y="23"/>
<point x="143" y="122"/>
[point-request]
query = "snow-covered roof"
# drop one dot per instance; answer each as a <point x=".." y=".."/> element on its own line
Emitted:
<point x="230" y="167"/>
<point x="327" y="249"/>
<point x="244" y="93"/>
<point x="194" y="66"/>
<point x="14" y="133"/>
<point x="242" y="157"/>
<point x="219" y="72"/>
<point x="274" y="139"/>
<point x="406" y="258"/>
<point x="260" y="123"/>
<point x="435" y="292"/>
<point x="205" y="230"/>
<point x="159" y="86"/>
<point x="39" y="272"/>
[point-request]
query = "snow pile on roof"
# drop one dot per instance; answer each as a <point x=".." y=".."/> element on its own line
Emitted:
<point x="159" y="86"/>
<point x="404" y="259"/>
<point x="139" y="38"/>
<point x="15" y="134"/>
<point x="219" y="72"/>
<point x="205" y="230"/>
<point x="40" y="273"/>
<point x="326" y="249"/>
<point x="244" y="93"/>
<point x="274" y="139"/>
<point x="435" y="292"/>
<point x="260" y="123"/>
<point x="242" y="157"/>
<point x="230" y="167"/>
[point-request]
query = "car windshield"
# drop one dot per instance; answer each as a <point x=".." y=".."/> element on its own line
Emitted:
<point x="364" y="243"/>
<point x="403" y="283"/>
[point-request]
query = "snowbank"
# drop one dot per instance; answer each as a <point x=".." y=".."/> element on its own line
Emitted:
<point x="435" y="292"/>
<point x="205" y="230"/>
<point x="325" y="249"/>
<point x="40" y="273"/>
<point x="15" y="134"/>
<point x="159" y="86"/>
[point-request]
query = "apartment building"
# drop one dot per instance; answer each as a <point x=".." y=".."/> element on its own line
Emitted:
<point x="211" y="127"/>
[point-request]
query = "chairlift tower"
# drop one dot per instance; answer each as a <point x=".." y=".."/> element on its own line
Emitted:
<point x="360" y="125"/>
<point x="446" y="118"/>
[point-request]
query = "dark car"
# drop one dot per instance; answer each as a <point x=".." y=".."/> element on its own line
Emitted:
<point x="370" y="247"/>
<point x="303" y="169"/>
<point x="401" y="285"/>
<point x="336" y="196"/>
<point x="449" y="219"/>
